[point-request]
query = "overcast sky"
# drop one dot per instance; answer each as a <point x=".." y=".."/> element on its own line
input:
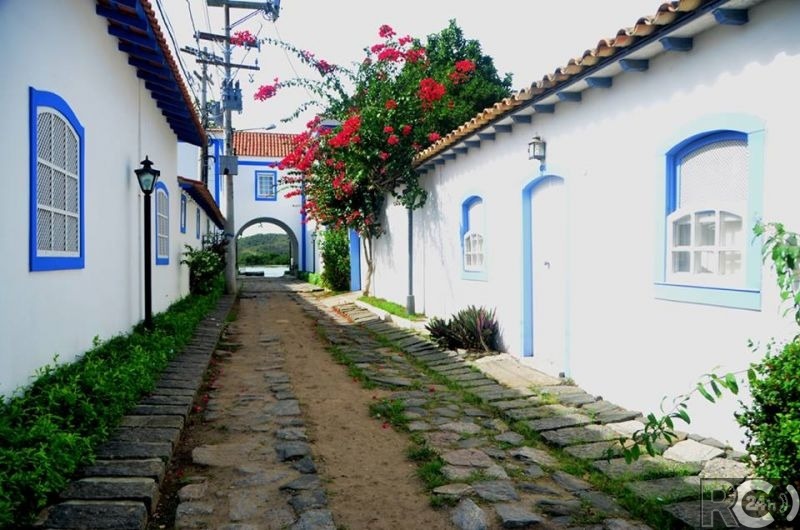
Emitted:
<point x="526" y="38"/>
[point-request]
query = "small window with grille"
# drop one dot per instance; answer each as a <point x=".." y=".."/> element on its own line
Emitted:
<point x="266" y="185"/>
<point x="472" y="239"/>
<point x="183" y="214"/>
<point x="162" y="224"/>
<point x="706" y="239"/>
<point x="56" y="176"/>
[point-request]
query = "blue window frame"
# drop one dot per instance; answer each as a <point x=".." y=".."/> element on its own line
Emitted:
<point x="56" y="161"/>
<point x="266" y="185"/>
<point x="183" y="214"/>
<point x="162" y="224"/>
<point x="473" y="239"/>
<point x="197" y="223"/>
<point x="712" y="199"/>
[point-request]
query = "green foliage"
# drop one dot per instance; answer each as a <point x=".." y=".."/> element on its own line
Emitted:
<point x="783" y="249"/>
<point x="205" y="266"/>
<point x="473" y="328"/>
<point x="335" y="251"/>
<point x="390" y="307"/>
<point x="482" y="89"/>
<point x="772" y="421"/>
<point x="263" y="249"/>
<point x="52" y="427"/>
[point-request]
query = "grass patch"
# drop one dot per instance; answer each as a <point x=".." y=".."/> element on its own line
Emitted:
<point x="353" y="370"/>
<point x="52" y="428"/>
<point x="391" y="308"/>
<point x="391" y="410"/>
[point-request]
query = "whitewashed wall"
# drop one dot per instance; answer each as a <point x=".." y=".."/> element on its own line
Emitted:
<point x="625" y="345"/>
<point x="59" y="312"/>
<point x="286" y="210"/>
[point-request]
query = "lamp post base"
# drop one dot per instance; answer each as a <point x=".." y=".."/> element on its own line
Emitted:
<point x="410" y="304"/>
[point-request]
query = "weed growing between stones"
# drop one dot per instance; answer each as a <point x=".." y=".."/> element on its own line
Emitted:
<point x="356" y="373"/>
<point x="391" y="411"/>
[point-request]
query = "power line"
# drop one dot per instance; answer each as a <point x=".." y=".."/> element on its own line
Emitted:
<point x="176" y="48"/>
<point x="289" y="60"/>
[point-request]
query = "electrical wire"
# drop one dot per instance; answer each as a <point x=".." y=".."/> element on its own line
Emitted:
<point x="176" y="48"/>
<point x="289" y="60"/>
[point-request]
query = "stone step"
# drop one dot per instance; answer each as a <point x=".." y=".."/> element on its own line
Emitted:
<point x="152" y="421"/>
<point x="672" y="489"/>
<point x="558" y="422"/>
<point x="147" y="467"/>
<point x="114" y="489"/>
<point x="645" y="466"/>
<point x="134" y="450"/>
<point x="580" y="435"/>
<point x="97" y="515"/>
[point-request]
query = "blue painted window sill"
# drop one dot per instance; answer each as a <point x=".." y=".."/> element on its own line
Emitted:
<point x="716" y="296"/>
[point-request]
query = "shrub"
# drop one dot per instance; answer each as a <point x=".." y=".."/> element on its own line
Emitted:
<point x="336" y="259"/>
<point x="772" y="421"/>
<point x="473" y="328"/>
<point x="205" y="265"/>
<point x="52" y="427"/>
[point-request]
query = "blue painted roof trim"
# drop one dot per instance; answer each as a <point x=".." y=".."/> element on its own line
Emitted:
<point x="130" y="23"/>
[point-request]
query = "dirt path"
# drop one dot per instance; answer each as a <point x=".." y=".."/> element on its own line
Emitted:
<point x="228" y="459"/>
<point x="370" y="482"/>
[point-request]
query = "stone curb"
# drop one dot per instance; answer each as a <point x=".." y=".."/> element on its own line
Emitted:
<point x="583" y="425"/>
<point x="120" y="489"/>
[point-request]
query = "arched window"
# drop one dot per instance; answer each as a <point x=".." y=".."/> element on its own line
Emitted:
<point x="56" y="176"/>
<point x="162" y="224"/>
<point x="706" y="233"/>
<point x="183" y="213"/>
<point x="473" y="238"/>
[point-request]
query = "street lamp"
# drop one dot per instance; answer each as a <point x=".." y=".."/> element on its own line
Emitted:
<point x="314" y="251"/>
<point x="147" y="177"/>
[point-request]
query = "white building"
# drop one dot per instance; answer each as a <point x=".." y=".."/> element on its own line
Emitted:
<point x="260" y="194"/>
<point x="627" y="260"/>
<point x="89" y="90"/>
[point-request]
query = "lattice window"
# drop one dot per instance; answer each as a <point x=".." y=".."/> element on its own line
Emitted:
<point x="162" y="226"/>
<point x="183" y="214"/>
<point x="706" y="232"/>
<point x="266" y="185"/>
<point x="473" y="239"/>
<point x="58" y="231"/>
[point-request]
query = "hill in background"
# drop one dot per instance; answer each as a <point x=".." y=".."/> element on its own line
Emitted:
<point x="264" y="249"/>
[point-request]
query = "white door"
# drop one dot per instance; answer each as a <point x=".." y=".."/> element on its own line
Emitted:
<point x="548" y="218"/>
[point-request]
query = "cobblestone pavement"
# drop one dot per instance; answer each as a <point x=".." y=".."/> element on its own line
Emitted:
<point x="504" y="450"/>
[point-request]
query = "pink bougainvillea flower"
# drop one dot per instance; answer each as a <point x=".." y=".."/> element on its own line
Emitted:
<point x="385" y="425"/>
<point x="390" y="55"/>
<point x="390" y="104"/>
<point x="265" y="92"/>
<point x="402" y="41"/>
<point x="405" y="130"/>
<point x="415" y="55"/>
<point x="430" y="91"/>
<point x="386" y="31"/>
<point x="466" y="66"/>
<point x="393" y="139"/>
<point x="243" y="38"/>
<point x="388" y="129"/>
<point x="434" y="136"/>
<point x="383" y="155"/>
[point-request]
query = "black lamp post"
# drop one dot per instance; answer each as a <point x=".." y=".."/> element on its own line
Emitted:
<point x="314" y="251"/>
<point x="147" y="177"/>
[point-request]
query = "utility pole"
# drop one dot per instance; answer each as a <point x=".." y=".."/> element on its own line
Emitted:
<point x="231" y="96"/>
<point x="204" y="58"/>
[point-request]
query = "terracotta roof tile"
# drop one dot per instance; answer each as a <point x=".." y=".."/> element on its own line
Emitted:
<point x="667" y="13"/>
<point x="263" y="144"/>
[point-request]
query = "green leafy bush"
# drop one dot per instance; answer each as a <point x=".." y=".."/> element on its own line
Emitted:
<point x="473" y="328"/>
<point x="336" y="259"/>
<point x="52" y="427"/>
<point x="205" y="265"/>
<point x="772" y="421"/>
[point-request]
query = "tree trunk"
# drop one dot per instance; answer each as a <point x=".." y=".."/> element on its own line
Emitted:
<point x="370" y="264"/>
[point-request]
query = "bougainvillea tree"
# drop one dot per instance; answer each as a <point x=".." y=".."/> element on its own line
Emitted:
<point x="373" y="120"/>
